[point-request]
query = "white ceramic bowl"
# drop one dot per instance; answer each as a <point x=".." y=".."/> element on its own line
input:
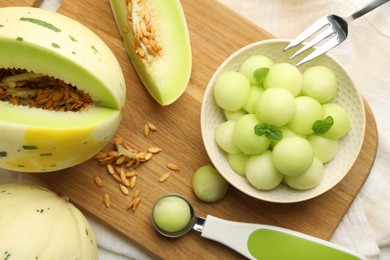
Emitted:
<point x="335" y="170"/>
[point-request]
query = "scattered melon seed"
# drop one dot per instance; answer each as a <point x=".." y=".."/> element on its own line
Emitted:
<point x="120" y="160"/>
<point x="113" y="153"/>
<point x="130" y="174"/>
<point x="146" y="130"/>
<point x="98" y="181"/>
<point x="136" y="203"/>
<point x="164" y="177"/>
<point x="152" y="126"/>
<point x="148" y="156"/>
<point x="173" y="166"/>
<point x="106" y="200"/>
<point x="126" y="182"/>
<point x="123" y="189"/>
<point x="110" y="168"/>
<point x="154" y="150"/>
<point x="117" y="178"/>
<point x="133" y="181"/>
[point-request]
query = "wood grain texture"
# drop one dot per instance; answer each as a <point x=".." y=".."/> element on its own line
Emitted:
<point x="18" y="3"/>
<point x="215" y="32"/>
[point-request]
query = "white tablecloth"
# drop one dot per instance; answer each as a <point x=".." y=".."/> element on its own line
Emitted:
<point x="366" y="56"/>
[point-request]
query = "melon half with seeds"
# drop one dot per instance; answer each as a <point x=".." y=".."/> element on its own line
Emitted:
<point x="157" y="40"/>
<point x="62" y="91"/>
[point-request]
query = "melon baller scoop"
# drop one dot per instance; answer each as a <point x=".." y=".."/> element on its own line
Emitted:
<point x="258" y="241"/>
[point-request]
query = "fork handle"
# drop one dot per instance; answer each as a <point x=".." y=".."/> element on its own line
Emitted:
<point x="371" y="6"/>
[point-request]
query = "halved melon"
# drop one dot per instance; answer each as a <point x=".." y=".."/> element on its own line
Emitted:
<point x="156" y="38"/>
<point x="45" y="43"/>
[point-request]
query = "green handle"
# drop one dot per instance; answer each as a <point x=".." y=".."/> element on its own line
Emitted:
<point x="256" y="241"/>
<point x="271" y="244"/>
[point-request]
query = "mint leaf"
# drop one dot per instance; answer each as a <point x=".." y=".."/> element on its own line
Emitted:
<point x="260" y="74"/>
<point x="320" y="127"/>
<point x="272" y="132"/>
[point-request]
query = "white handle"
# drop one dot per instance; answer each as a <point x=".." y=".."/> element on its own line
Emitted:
<point x="232" y="234"/>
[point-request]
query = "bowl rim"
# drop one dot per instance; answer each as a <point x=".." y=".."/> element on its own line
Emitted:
<point x="208" y="92"/>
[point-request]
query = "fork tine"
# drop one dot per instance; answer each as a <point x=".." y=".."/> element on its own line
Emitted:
<point x="321" y="50"/>
<point x="323" y="35"/>
<point x="315" y="27"/>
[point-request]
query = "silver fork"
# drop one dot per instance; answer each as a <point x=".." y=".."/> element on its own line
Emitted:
<point x="331" y="25"/>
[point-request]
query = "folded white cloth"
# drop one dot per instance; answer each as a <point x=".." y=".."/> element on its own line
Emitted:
<point x="366" y="56"/>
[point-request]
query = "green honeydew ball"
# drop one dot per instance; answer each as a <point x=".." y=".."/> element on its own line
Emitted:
<point x="238" y="162"/>
<point x="208" y="184"/>
<point x="292" y="155"/>
<point x="231" y="90"/>
<point x="309" y="179"/>
<point x="224" y="137"/>
<point x="251" y="64"/>
<point x="284" y="75"/>
<point x="261" y="172"/>
<point x="324" y="148"/>
<point x="254" y="93"/>
<point x="245" y="137"/>
<point x="234" y="115"/>
<point x="319" y="82"/>
<point x="172" y="214"/>
<point x="340" y="117"/>
<point x="275" y="106"/>
<point x="307" y="111"/>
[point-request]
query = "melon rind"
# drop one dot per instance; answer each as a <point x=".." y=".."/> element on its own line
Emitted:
<point x="36" y="223"/>
<point x="37" y="140"/>
<point x="57" y="142"/>
<point x="167" y="77"/>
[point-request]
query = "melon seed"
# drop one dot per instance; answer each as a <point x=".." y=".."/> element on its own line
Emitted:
<point x="98" y="181"/>
<point x="20" y="87"/>
<point x="106" y="200"/>
<point x="164" y="177"/>
<point x="123" y="189"/>
<point x="143" y="32"/>
<point x="173" y="166"/>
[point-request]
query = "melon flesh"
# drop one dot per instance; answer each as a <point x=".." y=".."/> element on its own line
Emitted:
<point x="167" y="76"/>
<point x="43" y="42"/>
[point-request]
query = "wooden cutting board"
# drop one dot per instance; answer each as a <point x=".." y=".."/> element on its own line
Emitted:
<point x="215" y="32"/>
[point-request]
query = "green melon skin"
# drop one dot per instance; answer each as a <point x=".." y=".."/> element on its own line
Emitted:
<point x="37" y="140"/>
<point x="166" y="78"/>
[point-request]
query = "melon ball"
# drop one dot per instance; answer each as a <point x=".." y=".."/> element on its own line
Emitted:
<point x="341" y="121"/>
<point x="275" y="106"/>
<point x="251" y="64"/>
<point x="172" y="213"/>
<point x="307" y="111"/>
<point x="284" y="75"/>
<point x="261" y="172"/>
<point x="309" y="179"/>
<point x="208" y="184"/>
<point x="292" y="155"/>
<point x="319" y="82"/>
<point x="231" y="90"/>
